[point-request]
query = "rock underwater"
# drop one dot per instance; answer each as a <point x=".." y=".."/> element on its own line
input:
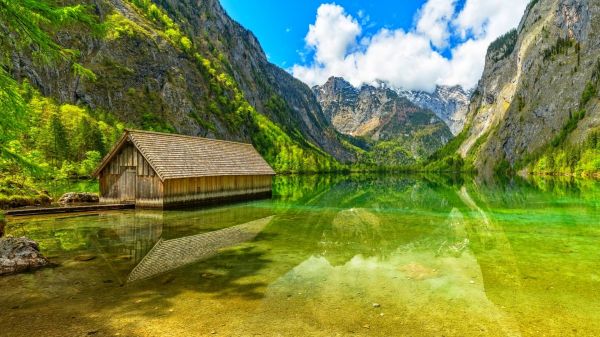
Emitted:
<point x="20" y="254"/>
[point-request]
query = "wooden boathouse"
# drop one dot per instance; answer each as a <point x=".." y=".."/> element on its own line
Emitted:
<point x="160" y="170"/>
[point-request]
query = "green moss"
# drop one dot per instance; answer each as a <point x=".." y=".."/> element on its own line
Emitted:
<point x="589" y="92"/>
<point x="118" y="26"/>
<point x="20" y="191"/>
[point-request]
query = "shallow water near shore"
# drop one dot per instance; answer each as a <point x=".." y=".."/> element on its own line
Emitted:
<point x="327" y="256"/>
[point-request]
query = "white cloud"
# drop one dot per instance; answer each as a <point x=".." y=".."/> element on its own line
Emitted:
<point x="434" y="18"/>
<point x="332" y="34"/>
<point x="409" y="59"/>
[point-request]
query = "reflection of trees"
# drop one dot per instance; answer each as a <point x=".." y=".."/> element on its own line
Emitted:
<point x="343" y="243"/>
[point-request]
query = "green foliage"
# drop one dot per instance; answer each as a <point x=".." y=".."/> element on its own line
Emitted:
<point x="388" y="155"/>
<point x="19" y="191"/>
<point x="84" y="72"/>
<point x="88" y="138"/>
<point x="561" y="47"/>
<point x="588" y="163"/>
<point x="568" y="128"/>
<point x="531" y="4"/>
<point x="503" y="168"/>
<point x="286" y="155"/>
<point x="591" y="87"/>
<point x="53" y="141"/>
<point x="451" y="163"/>
<point x="117" y="26"/>
<point x="30" y="25"/>
<point x="447" y="159"/>
<point x="64" y="141"/>
<point x="89" y="164"/>
<point x="570" y="159"/>
<point x="503" y="46"/>
<point x="520" y="103"/>
<point x="185" y="43"/>
<point x="588" y="93"/>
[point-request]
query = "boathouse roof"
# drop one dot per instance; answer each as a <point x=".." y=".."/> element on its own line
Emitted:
<point x="177" y="156"/>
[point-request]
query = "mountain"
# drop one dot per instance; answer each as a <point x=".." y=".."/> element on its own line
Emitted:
<point x="379" y="114"/>
<point x="185" y="66"/>
<point x="536" y="106"/>
<point x="450" y="103"/>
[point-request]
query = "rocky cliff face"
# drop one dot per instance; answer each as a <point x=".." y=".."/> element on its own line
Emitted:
<point x="380" y="114"/>
<point x="451" y="104"/>
<point x="167" y="64"/>
<point x="531" y="96"/>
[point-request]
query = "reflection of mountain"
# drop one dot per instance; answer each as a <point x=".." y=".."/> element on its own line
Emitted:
<point x="418" y="284"/>
<point x="439" y="259"/>
<point x="168" y="255"/>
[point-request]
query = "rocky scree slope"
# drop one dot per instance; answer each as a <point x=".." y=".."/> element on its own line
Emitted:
<point x="539" y="92"/>
<point x="381" y="116"/>
<point x="185" y="66"/>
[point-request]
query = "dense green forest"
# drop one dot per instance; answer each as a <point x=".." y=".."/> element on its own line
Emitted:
<point x="35" y="133"/>
<point x="44" y="140"/>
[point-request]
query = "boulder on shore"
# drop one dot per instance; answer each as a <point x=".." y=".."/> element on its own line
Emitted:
<point x="76" y="197"/>
<point x="20" y="254"/>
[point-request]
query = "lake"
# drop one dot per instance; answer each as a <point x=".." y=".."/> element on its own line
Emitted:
<point x="326" y="256"/>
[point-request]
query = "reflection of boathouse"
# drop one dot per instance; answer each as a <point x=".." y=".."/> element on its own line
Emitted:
<point x="146" y="243"/>
<point x="162" y="170"/>
<point x="171" y="254"/>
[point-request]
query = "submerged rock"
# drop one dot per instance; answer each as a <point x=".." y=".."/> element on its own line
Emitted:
<point x="74" y="197"/>
<point x="84" y="258"/>
<point x="19" y="255"/>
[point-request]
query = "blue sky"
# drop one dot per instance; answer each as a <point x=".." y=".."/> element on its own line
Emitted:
<point x="282" y="25"/>
<point x="409" y="44"/>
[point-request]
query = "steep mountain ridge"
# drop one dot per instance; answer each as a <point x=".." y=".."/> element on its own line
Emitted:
<point x="187" y="67"/>
<point x="380" y="114"/>
<point x="538" y="96"/>
<point x="263" y="84"/>
<point x="450" y="103"/>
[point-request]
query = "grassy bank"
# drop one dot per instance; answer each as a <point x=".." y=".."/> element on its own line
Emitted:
<point x="18" y="191"/>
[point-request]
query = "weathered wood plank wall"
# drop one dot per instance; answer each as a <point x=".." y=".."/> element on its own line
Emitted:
<point x="195" y="190"/>
<point x="146" y="185"/>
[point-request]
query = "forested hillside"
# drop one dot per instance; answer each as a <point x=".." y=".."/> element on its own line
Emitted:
<point x="74" y="76"/>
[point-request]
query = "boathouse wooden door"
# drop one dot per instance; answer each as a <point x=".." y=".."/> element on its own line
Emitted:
<point x="127" y="184"/>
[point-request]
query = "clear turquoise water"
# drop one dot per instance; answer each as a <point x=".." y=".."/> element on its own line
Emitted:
<point x="327" y="256"/>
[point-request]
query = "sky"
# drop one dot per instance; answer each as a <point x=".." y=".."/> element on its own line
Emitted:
<point x="407" y="44"/>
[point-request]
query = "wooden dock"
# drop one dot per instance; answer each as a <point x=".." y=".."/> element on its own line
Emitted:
<point x="67" y="209"/>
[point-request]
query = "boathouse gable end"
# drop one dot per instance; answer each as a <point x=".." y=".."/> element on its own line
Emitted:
<point x="161" y="170"/>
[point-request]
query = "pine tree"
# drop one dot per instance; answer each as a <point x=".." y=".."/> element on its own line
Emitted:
<point x="54" y="140"/>
<point x="88" y="138"/>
